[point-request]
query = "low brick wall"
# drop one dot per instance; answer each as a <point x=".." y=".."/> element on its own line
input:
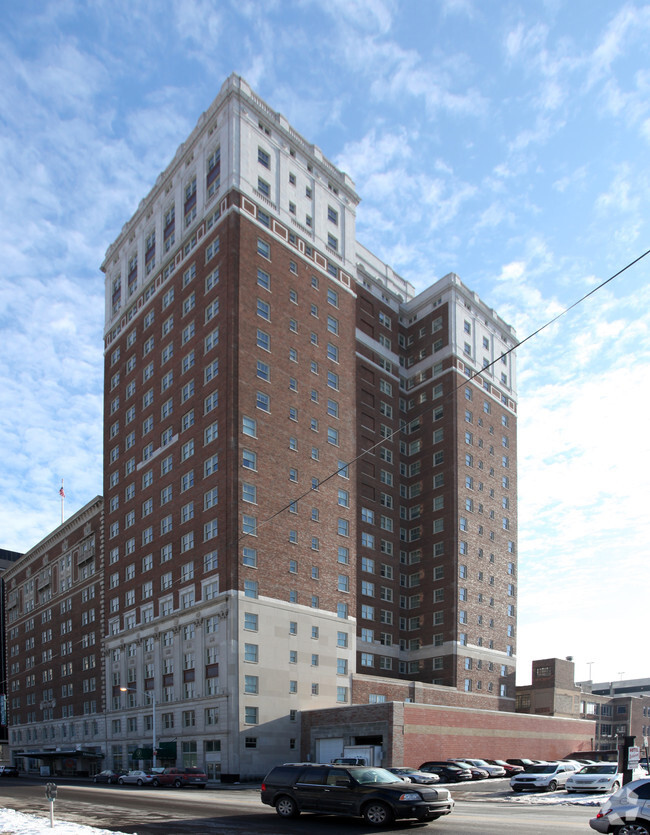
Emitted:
<point x="413" y="733"/>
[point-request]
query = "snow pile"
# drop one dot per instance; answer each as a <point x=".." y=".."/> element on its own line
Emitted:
<point x="17" y="823"/>
<point x="544" y="799"/>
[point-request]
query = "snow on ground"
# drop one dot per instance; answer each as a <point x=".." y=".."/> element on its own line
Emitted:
<point x="554" y="799"/>
<point x="17" y="823"/>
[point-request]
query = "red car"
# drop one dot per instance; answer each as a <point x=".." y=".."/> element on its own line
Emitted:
<point x="509" y="767"/>
<point x="179" y="777"/>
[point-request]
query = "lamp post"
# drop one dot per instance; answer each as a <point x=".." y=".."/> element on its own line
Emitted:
<point x="153" y="724"/>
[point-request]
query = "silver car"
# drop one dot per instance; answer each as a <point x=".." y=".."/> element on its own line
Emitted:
<point x="136" y="778"/>
<point x="547" y="777"/>
<point x="627" y="812"/>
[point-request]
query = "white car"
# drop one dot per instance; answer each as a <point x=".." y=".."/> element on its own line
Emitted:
<point x="546" y="777"/>
<point x="600" y="777"/>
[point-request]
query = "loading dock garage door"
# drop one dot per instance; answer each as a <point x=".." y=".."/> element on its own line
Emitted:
<point x="328" y="749"/>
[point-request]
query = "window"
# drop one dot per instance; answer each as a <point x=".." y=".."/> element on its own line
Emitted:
<point x="249" y="459"/>
<point x="249" y="525"/>
<point x="263" y="401"/>
<point x="332" y="325"/>
<point x="249" y="557"/>
<point x="249" y="493"/>
<point x="263" y="248"/>
<point x="251" y="685"/>
<point x="263" y="340"/>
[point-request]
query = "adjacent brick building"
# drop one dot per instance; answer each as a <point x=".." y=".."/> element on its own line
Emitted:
<point x="54" y="602"/>
<point x="617" y="709"/>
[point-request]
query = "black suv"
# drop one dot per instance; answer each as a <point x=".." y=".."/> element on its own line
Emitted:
<point x="374" y="793"/>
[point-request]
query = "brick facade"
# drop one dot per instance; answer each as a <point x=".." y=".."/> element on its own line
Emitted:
<point x="410" y="734"/>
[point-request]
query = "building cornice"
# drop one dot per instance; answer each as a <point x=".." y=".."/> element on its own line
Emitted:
<point x="56" y="537"/>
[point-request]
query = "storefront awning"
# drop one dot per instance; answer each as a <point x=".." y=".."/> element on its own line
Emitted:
<point x="165" y="750"/>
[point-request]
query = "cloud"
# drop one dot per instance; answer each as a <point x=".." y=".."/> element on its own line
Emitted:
<point x="576" y="178"/>
<point x="620" y="197"/>
<point x="493" y="216"/>
<point x="50" y="404"/>
<point x="515" y="270"/>
<point x="520" y="40"/>
<point x="198" y="22"/>
<point x="465" y="8"/>
<point x="645" y="129"/>
<point x="370" y="15"/>
<point x="628" y="21"/>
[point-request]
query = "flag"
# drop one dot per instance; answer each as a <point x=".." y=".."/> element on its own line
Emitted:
<point x="62" y="492"/>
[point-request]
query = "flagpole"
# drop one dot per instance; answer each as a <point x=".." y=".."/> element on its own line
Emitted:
<point x="62" y="494"/>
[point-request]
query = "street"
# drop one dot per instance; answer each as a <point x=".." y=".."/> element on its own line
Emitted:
<point x="239" y="812"/>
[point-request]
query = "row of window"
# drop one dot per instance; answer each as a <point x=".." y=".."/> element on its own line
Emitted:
<point x="186" y="600"/>
<point x="264" y="159"/>
<point x="210" y="466"/>
<point x="470" y="685"/>
<point x="264" y="250"/>
<point x="210" y="528"/>
<point x="63" y="731"/>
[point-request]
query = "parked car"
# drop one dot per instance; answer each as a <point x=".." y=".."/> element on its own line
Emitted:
<point x="179" y="777"/>
<point x="477" y="773"/>
<point x="626" y="812"/>
<point x="414" y="775"/>
<point x="575" y="763"/>
<point x="375" y="794"/>
<point x="448" y="772"/>
<point x="548" y="777"/>
<point x="9" y="771"/>
<point x="524" y="763"/>
<point x="135" y="778"/>
<point x="492" y="769"/>
<point x="108" y="776"/>
<point x="600" y="777"/>
<point x="508" y="767"/>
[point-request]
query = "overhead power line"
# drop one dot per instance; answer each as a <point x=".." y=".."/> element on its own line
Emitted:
<point x="472" y="376"/>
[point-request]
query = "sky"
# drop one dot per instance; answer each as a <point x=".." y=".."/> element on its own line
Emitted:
<point x="506" y="142"/>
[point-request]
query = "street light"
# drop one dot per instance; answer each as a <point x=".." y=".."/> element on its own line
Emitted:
<point x="153" y="706"/>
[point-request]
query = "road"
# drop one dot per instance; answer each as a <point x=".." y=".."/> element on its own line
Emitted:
<point x="239" y="812"/>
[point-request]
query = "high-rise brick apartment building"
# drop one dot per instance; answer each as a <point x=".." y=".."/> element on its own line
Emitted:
<point x="310" y="472"/>
<point x="437" y="502"/>
<point x="302" y="477"/>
